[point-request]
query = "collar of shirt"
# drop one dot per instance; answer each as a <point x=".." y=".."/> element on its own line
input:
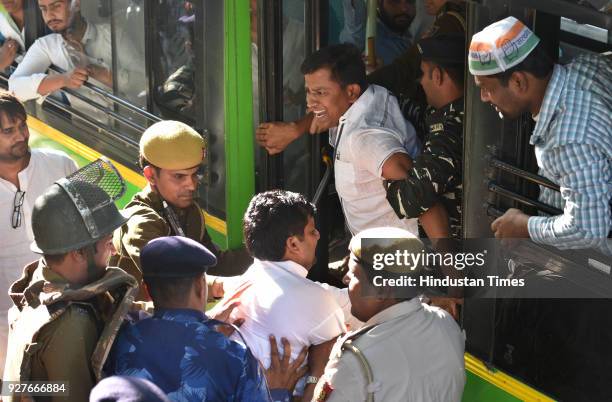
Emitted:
<point x="454" y="106"/>
<point x="180" y="314"/>
<point x="290" y="266"/>
<point x="362" y="106"/>
<point x="549" y="104"/>
<point x="397" y="310"/>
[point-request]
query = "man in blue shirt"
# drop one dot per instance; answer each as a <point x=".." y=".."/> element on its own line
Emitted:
<point x="179" y="349"/>
<point x="393" y="36"/>
<point x="572" y="139"/>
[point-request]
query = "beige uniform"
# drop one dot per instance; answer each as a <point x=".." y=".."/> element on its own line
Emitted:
<point x="58" y="333"/>
<point x="407" y="352"/>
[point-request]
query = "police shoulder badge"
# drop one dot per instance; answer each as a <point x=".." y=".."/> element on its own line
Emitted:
<point x="324" y="392"/>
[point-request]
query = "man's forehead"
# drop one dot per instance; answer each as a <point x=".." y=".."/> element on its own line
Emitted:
<point x="321" y="76"/>
<point x="8" y="120"/>
<point x="50" y="2"/>
<point x="184" y="171"/>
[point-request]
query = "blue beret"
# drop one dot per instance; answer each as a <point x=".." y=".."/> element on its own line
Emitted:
<point x="175" y="257"/>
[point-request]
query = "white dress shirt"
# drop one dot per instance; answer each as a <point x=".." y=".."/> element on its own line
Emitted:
<point x="415" y="352"/>
<point x="369" y="133"/>
<point x="282" y="302"/>
<point x="53" y="49"/>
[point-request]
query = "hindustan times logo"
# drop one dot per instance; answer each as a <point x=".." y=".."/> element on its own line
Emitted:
<point x="413" y="260"/>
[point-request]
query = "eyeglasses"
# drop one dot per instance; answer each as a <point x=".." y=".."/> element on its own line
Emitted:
<point x="17" y="203"/>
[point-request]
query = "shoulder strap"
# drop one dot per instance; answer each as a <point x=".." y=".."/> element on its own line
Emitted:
<point x="459" y="18"/>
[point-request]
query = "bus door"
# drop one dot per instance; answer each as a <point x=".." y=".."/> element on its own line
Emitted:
<point x="543" y="342"/>
<point x="283" y="32"/>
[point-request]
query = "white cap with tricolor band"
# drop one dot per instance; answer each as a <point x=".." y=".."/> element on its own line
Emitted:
<point x="500" y="46"/>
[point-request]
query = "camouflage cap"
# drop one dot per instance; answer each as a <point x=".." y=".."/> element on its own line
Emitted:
<point x="175" y="257"/>
<point x="500" y="46"/>
<point x="446" y="49"/>
<point x="172" y="145"/>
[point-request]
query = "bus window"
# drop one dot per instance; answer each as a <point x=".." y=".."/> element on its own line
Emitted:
<point x="296" y="157"/>
<point x="174" y="67"/>
<point x="129" y="51"/>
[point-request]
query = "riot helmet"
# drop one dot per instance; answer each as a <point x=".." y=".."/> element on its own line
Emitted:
<point x="78" y="210"/>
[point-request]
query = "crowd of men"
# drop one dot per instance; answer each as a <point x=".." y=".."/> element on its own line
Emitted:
<point x="82" y="275"/>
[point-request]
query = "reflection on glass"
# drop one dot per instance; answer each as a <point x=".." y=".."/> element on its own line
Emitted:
<point x="174" y="78"/>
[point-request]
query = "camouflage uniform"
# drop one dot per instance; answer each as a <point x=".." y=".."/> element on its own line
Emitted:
<point x="148" y="220"/>
<point x="436" y="174"/>
<point x="59" y="333"/>
<point x="400" y="77"/>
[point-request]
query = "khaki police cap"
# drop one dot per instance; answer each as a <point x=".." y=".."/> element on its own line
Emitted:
<point x="172" y="145"/>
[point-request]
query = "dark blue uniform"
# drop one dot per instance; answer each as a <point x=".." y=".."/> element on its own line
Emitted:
<point x="180" y="352"/>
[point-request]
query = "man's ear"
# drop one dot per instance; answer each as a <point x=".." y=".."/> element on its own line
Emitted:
<point x="519" y="82"/>
<point x="353" y="91"/>
<point x="437" y="75"/>
<point x="150" y="174"/>
<point x="291" y="245"/>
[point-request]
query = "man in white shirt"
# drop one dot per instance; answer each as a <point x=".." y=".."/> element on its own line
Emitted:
<point x="24" y="175"/>
<point x="277" y="298"/>
<point x="371" y="138"/>
<point x="406" y="350"/>
<point x="80" y="48"/>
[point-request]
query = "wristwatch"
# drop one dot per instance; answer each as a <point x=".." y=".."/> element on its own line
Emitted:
<point x="311" y="379"/>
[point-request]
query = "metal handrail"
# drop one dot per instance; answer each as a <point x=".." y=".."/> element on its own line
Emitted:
<point x="74" y="112"/>
<point x="106" y="110"/>
<point x="110" y="97"/>
<point x="531" y="177"/>
<point x="495" y="188"/>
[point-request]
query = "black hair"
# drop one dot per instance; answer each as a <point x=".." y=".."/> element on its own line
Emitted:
<point x="170" y="291"/>
<point x="11" y="107"/>
<point x="271" y="218"/>
<point x="538" y="63"/>
<point x="343" y="60"/>
<point x="142" y="162"/>
<point x="455" y="72"/>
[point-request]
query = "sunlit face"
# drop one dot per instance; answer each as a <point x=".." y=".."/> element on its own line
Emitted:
<point x="362" y="307"/>
<point x="325" y="97"/>
<point x="308" y="244"/>
<point x="433" y="7"/>
<point x="56" y="14"/>
<point x="397" y="14"/>
<point x="177" y="187"/>
<point x="503" y="98"/>
<point x="12" y="6"/>
<point x="14" y="136"/>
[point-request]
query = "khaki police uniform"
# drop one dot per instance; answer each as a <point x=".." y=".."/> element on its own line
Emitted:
<point x="168" y="145"/>
<point x="59" y="333"/>
<point x="407" y="352"/>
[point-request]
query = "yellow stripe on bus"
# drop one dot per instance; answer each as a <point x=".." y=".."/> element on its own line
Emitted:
<point x="217" y="224"/>
<point x="504" y="381"/>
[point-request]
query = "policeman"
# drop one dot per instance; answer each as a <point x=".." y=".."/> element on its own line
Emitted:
<point x="170" y="156"/>
<point x="406" y="350"/>
<point x="432" y="190"/>
<point x="69" y="304"/>
<point x="197" y="362"/>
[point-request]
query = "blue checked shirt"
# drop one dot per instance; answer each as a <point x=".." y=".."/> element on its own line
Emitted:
<point x="573" y="147"/>
<point x="179" y="351"/>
